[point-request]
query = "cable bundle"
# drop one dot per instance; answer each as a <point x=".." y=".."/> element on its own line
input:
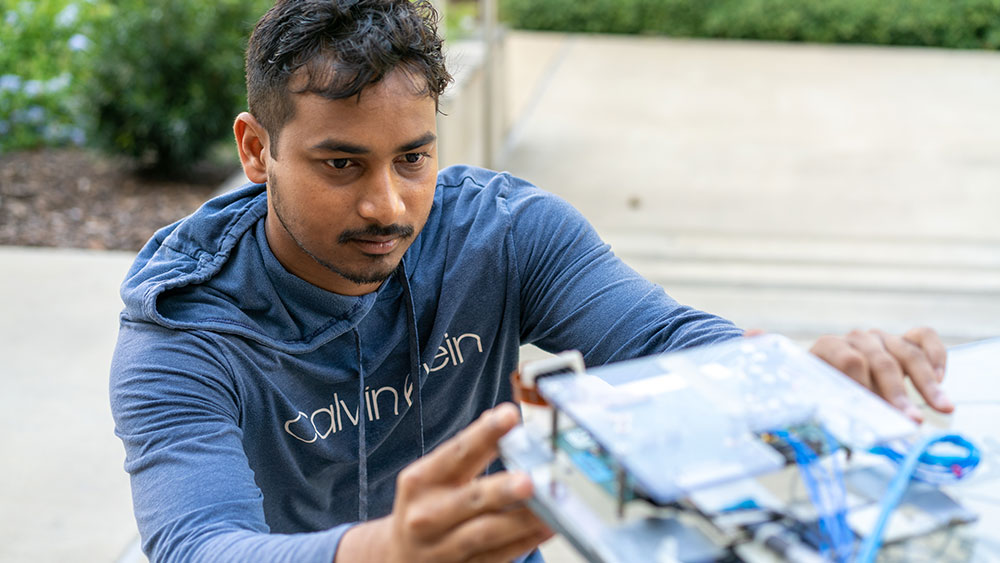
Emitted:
<point x="827" y="493"/>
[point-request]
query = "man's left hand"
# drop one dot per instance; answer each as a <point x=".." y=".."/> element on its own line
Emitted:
<point x="881" y="361"/>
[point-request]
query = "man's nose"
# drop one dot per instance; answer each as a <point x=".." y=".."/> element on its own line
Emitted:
<point x="381" y="202"/>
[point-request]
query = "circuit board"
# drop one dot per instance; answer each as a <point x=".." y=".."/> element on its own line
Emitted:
<point x="692" y="419"/>
<point x="664" y="458"/>
<point x="810" y="433"/>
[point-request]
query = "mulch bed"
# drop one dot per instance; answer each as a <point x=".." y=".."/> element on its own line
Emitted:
<point x="78" y="199"/>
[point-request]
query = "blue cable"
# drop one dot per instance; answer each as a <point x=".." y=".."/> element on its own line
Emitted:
<point x="938" y="469"/>
<point x="827" y="495"/>
<point x="844" y="541"/>
<point x="908" y="466"/>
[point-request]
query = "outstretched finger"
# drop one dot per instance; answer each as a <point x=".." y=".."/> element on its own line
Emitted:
<point x="928" y="340"/>
<point x="456" y="505"/>
<point x="837" y="352"/>
<point x="513" y="550"/>
<point x="886" y="372"/>
<point x="496" y="536"/>
<point x="919" y="368"/>
<point x="469" y="452"/>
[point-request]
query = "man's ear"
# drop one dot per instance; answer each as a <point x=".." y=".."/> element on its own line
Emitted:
<point x="252" y="142"/>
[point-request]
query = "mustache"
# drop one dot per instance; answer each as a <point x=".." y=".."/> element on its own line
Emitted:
<point x="402" y="231"/>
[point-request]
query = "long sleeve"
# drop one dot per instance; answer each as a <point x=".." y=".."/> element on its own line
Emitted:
<point x="177" y="410"/>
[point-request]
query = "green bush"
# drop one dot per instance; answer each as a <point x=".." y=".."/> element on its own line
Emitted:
<point x="618" y="16"/>
<point x="679" y="18"/>
<point x="966" y="24"/>
<point x="43" y="46"/>
<point x="166" y="77"/>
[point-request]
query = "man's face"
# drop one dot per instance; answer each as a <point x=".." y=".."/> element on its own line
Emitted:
<point x="352" y="184"/>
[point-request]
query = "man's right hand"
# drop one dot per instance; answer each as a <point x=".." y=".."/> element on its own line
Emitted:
<point x="444" y="512"/>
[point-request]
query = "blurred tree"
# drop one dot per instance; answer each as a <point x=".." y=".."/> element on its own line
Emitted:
<point x="166" y="78"/>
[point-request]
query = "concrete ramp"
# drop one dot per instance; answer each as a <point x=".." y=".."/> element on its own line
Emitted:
<point x="803" y="189"/>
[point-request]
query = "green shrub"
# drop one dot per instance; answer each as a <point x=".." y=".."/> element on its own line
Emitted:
<point x="614" y="16"/>
<point x="966" y="24"/>
<point x="679" y="18"/>
<point x="166" y="77"/>
<point x="43" y="46"/>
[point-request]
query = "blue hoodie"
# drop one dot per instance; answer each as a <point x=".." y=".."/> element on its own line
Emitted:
<point x="262" y="415"/>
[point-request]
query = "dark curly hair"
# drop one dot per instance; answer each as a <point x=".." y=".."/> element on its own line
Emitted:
<point x="343" y="46"/>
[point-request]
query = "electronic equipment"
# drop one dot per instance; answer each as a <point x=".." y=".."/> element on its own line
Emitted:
<point x="673" y="457"/>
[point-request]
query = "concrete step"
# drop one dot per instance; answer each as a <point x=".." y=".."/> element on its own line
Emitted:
<point x="817" y="263"/>
<point x="807" y="314"/>
<point x="837" y="277"/>
<point x="811" y="285"/>
<point x="805" y="249"/>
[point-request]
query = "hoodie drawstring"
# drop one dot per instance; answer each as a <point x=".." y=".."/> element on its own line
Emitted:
<point x="362" y="442"/>
<point x="414" y="345"/>
<point x="411" y="321"/>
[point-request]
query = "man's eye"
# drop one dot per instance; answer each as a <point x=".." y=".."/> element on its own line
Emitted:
<point x="339" y="163"/>
<point x="413" y="157"/>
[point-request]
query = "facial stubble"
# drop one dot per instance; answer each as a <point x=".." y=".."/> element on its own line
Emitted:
<point x="360" y="278"/>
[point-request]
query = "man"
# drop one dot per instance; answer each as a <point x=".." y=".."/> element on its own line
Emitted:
<point x="298" y="359"/>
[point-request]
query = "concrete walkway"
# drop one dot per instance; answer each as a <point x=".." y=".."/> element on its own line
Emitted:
<point x="800" y="189"/>
<point x="63" y="493"/>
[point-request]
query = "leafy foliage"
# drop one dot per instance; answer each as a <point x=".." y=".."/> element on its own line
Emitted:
<point x="966" y="24"/>
<point x="43" y="46"/>
<point x="166" y="77"/>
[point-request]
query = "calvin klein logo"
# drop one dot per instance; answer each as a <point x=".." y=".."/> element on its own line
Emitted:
<point x="451" y="353"/>
<point x="382" y="402"/>
<point x="330" y="419"/>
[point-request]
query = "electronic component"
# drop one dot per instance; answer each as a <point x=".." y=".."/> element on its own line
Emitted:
<point x="626" y="462"/>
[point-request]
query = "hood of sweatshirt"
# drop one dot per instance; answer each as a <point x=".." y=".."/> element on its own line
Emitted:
<point x="190" y="276"/>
